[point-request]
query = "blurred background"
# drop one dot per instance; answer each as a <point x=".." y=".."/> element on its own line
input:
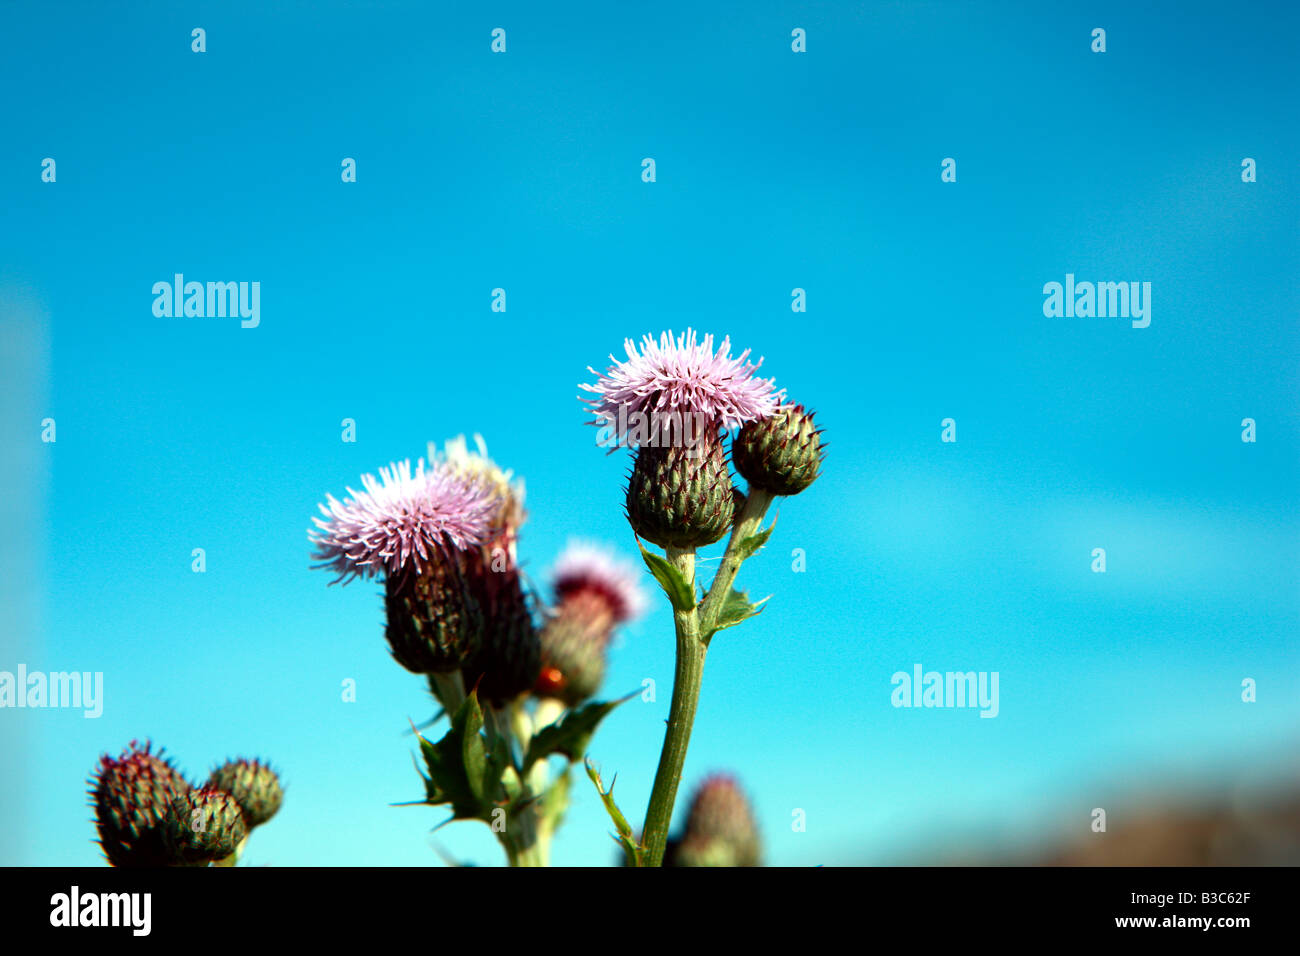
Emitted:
<point x="775" y="171"/>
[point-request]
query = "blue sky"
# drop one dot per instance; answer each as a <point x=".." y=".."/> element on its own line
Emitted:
<point x="775" y="171"/>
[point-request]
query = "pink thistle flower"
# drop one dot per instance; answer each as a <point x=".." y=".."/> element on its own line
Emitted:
<point x="681" y="375"/>
<point x="588" y="569"/>
<point x="401" y="520"/>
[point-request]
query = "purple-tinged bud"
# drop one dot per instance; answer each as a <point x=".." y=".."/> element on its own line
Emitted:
<point x="720" y="828"/>
<point x="130" y="795"/>
<point x="509" y="659"/>
<point x="434" y="623"/>
<point x="505" y="663"/>
<point x="594" y="592"/>
<point x="781" y="454"/>
<point x="575" y="642"/>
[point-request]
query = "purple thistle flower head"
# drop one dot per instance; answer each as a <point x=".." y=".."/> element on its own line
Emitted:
<point x="400" y="521"/>
<point x="595" y="570"/>
<point x="681" y="375"/>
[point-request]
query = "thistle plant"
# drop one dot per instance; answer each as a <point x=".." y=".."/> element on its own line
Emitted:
<point x="148" y="815"/>
<point x="681" y="496"/>
<point x="515" y="676"/>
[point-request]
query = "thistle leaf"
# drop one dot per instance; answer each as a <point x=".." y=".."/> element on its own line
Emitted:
<point x="626" y="838"/>
<point x="736" y="607"/>
<point x="749" y="545"/>
<point x="571" y="734"/>
<point x="680" y="593"/>
<point x="462" y="771"/>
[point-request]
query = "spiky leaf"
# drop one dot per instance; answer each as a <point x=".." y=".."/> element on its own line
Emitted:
<point x="626" y="838"/>
<point x="571" y="734"/>
<point x="753" y="542"/>
<point x="462" y="771"/>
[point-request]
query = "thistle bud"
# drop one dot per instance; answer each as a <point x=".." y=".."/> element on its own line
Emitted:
<point x="202" y="826"/>
<point x="508" y="660"/>
<point x="780" y="454"/>
<point x="594" y="592"/>
<point x="504" y="664"/>
<point x="574" y="645"/>
<point x="255" y="787"/>
<point x="681" y="497"/>
<point x="720" y="828"/>
<point x="694" y="850"/>
<point x="434" y="623"/>
<point x="130" y="796"/>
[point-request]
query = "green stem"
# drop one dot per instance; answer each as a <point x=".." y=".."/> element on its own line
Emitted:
<point x="527" y="841"/>
<point x="693" y="628"/>
<point x="681" y="716"/>
<point x="751" y="519"/>
<point x="534" y="855"/>
<point x="449" y="689"/>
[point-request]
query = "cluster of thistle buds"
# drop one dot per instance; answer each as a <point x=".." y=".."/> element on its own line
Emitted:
<point x="444" y="539"/>
<point x="149" y="815"/>
<point x="516" y="678"/>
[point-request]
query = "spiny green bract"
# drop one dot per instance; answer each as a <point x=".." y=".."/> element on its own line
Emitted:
<point x="202" y="826"/>
<point x="681" y="497"/>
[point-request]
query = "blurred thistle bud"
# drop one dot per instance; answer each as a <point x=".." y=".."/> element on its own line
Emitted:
<point x="202" y="826"/>
<point x="681" y="496"/>
<point x="720" y="828"/>
<point x="780" y="454"/>
<point x="507" y="660"/>
<point x="130" y="795"/>
<point x="434" y="623"/>
<point x="509" y="657"/>
<point x="255" y="787"/>
<point x="594" y="593"/>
